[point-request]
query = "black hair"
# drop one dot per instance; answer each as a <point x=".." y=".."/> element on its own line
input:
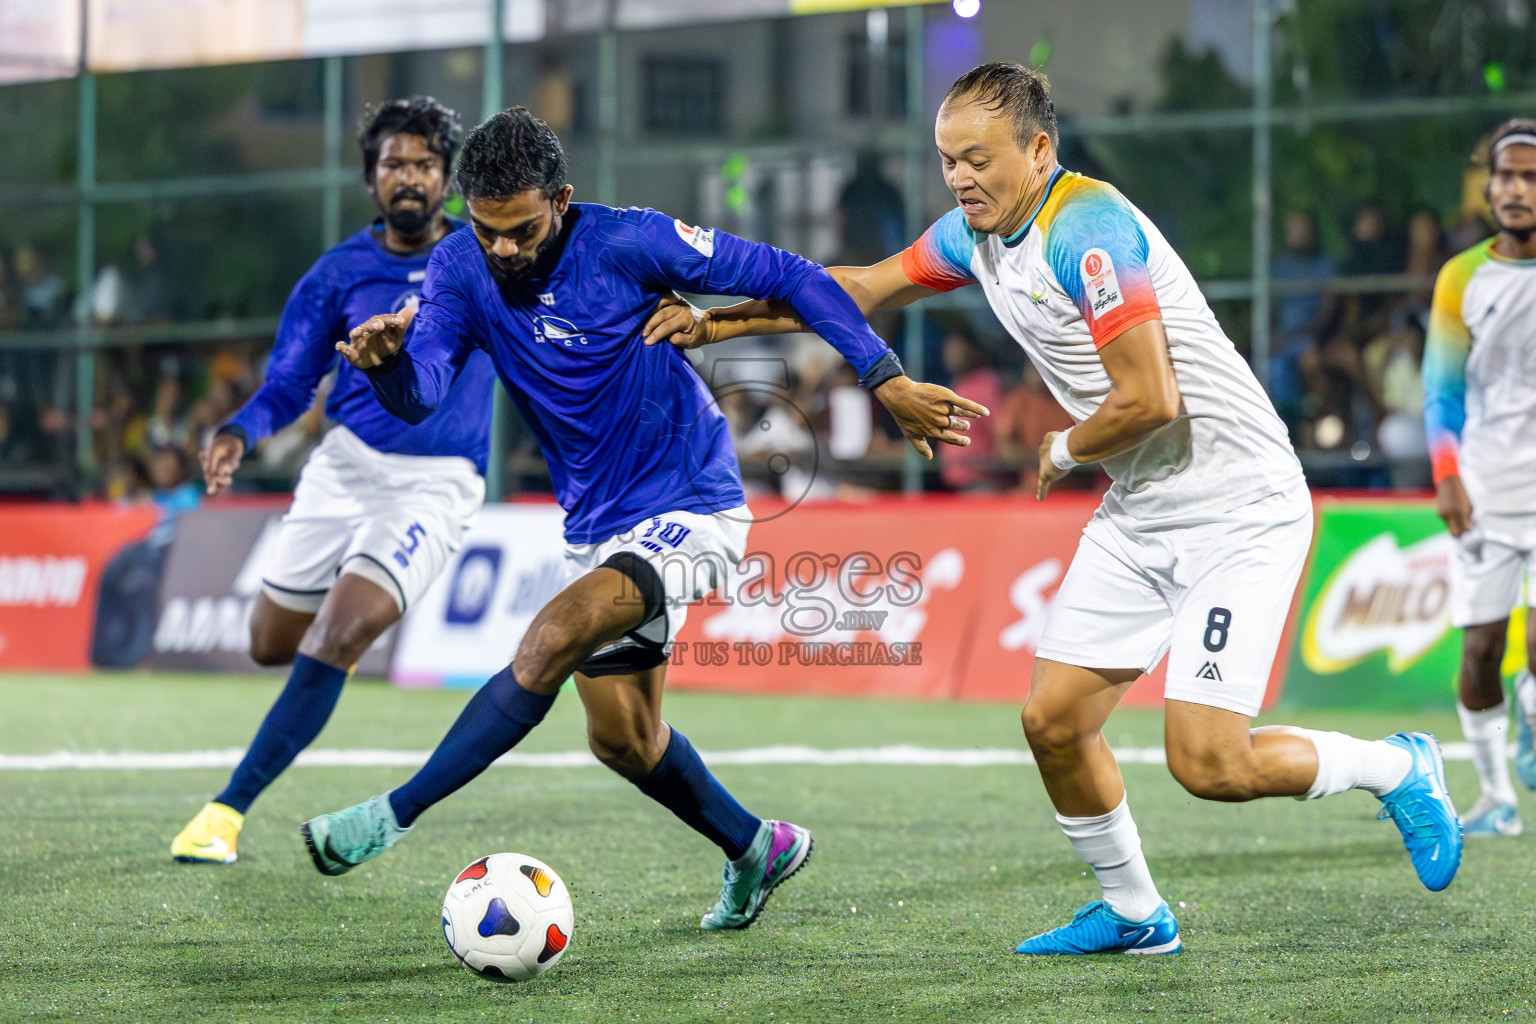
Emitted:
<point x="1023" y="93"/>
<point x="511" y="153"/>
<point x="419" y="115"/>
<point x="1515" y="126"/>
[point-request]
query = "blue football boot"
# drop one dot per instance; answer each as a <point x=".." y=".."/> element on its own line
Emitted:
<point x="1097" y="929"/>
<point x="1423" y="813"/>
<point x="1525" y="749"/>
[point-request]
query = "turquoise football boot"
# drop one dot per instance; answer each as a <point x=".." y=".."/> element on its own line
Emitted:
<point x="1490" y="817"/>
<point x="1422" y="811"/>
<point x="340" y="841"/>
<point x="1097" y="929"/>
<point x="778" y="850"/>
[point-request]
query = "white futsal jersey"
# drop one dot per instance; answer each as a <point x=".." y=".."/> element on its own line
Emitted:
<point x="1480" y="379"/>
<point x="1086" y="267"/>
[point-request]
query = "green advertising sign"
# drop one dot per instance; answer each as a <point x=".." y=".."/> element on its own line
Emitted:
<point x="1374" y="629"/>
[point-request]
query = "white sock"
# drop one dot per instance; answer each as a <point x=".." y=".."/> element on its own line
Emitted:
<point x="1525" y="694"/>
<point x="1110" y="844"/>
<point x="1488" y="732"/>
<point x="1345" y="763"/>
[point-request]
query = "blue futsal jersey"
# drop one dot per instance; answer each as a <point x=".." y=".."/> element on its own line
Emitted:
<point x="628" y="430"/>
<point x="357" y="279"/>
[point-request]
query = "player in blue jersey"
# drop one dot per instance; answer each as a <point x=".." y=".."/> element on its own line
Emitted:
<point x="641" y="460"/>
<point x="381" y="505"/>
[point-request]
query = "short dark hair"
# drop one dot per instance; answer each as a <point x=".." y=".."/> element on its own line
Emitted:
<point x="419" y="115"/>
<point x="511" y="153"/>
<point x="1514" y="126"/>
<point x="1023" y="93"/>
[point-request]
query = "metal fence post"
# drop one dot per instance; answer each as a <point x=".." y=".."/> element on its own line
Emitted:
<point x="490" y="106"/>
<point x="85" y="274"/>
<point x="1263" y="187"/>
<point x="330" y="208"/>
<point x="912" y="316"/>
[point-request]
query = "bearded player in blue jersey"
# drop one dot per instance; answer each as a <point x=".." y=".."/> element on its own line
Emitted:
<point x="381" y="505"/>
<point x="641" y="460"/>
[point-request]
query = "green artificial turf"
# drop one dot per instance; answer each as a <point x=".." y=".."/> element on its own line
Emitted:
<point x="923" y="881"/>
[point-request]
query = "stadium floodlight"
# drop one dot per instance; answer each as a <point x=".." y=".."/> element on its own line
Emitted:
<point x="967" y="8"/>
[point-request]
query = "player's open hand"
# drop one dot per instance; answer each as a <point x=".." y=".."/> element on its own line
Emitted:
<point x="927" y="412"/>
<point x="220" y="460"/>
<point x="376" y="339"/>
<point x="1049" y="474"/>
<point x="679" y="322"/>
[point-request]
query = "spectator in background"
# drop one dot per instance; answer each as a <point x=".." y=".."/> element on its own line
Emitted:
<point x="1299" y="317"/>
<point x="147" y="296"/>
<point x="1392" y="363"/>
<point x="871" y="211"/>
<point x="44" y="295"/>
<point x="1026" y="414"/>
<point x="1426" y="253"/>
<point x="10" y="295"/>
<point x="971" y="374"/>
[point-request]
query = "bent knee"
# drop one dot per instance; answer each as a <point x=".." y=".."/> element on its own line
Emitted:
<point x="1050" y="733"/>
<point x="544" y="645"/>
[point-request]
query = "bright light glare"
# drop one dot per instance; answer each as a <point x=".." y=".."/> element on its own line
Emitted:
<point x="967" y="8"/>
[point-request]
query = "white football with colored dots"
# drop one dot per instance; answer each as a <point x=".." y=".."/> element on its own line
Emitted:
<point x="508" y="917"/>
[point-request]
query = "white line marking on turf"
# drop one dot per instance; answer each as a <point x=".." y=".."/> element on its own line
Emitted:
<point x="898" y="755"/>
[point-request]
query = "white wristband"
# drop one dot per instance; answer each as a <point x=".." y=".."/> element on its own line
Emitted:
<point x="1061" y="458"/>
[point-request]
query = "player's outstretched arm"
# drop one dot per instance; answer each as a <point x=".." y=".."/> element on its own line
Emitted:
<point x="1143" y="398"/>
<point x="873" y="289"/>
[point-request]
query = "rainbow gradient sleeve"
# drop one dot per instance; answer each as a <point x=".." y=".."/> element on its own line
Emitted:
<point x="1446" y="347"/>
<point x="941" y="258"/>
<point x="1098" y="252"/>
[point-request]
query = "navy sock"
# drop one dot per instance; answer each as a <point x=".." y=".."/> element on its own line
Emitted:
<point x="682" y="785"/>
<point x="293" y="723"/>
<point x="494" y="721"/>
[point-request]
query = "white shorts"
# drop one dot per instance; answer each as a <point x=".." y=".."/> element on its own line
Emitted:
<point x="1212" y="592"/>
<point x="1491" y="564"/>
<point x="392" y="519"/>
<point x="691" y="552"/>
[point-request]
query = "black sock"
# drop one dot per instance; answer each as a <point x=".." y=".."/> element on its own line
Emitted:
<point x="494" y="721"/>
<point x="682" y="785"/>
<point x="293" y="723"/>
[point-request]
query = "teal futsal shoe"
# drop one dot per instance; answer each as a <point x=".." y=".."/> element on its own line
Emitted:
<point x="1490" y="817"/>
<point x="1422" y="811"/>
<point x="340" y="841"/>
<point x="1525" y="751"/>
<point x="1097" y="929"/>
<point x="778" y="850"/>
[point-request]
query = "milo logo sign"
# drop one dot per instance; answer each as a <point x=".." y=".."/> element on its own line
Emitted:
<point x="1375" y="618"/>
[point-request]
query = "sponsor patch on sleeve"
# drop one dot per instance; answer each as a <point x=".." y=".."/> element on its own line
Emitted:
<point x="702" y="239"/>
<point x="1099" y="282"/>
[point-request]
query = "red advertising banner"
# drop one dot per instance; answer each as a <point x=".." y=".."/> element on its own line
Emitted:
<point x="51" y="560"/>
<point x="937" y="598"/>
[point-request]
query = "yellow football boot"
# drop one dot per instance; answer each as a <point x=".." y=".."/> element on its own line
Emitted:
<point x="210" y="837"/>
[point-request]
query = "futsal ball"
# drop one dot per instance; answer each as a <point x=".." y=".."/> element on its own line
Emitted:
<point x="508" y="917"/>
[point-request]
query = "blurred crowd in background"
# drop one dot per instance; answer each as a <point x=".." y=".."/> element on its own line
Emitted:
<point x="806" y="132"/>
<point x="1344" y="372"/>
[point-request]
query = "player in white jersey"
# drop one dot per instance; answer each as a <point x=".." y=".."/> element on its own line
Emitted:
<point x="1480" y="416"/>
<point x="1197" y="547"/>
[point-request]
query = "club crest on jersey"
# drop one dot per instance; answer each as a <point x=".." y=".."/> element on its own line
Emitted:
<point x="702" y="239"/>
<point x="407" y="299"/>
<point x="557" y="331"/>
<point x="1037" y="290"/>
<point x="1100" y="283"/>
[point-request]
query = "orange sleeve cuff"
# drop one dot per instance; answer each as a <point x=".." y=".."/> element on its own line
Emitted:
<point x="1443" y="464"/>
<point x="1106" y="331"/>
